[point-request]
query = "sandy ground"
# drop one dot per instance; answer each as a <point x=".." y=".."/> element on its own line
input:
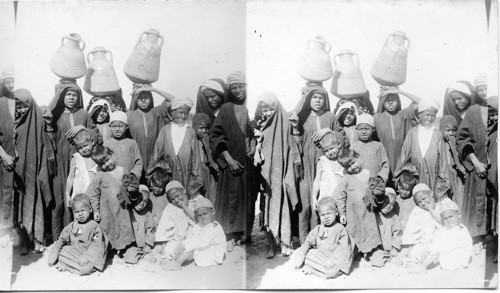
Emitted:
<point x="242" y="269"/>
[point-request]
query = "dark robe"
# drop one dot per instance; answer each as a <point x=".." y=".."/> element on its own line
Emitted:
<point x="473" y="136"/>
<point x="202" y="105"/>
<point x="25" y="192"/>
<point x="449" y="106"/>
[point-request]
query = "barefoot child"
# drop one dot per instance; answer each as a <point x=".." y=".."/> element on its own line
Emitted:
<point x="327" y="251"/>
<point x="81" y="248"/>
<point x="207" y="242"/>
<point x="157" y="183"/>
<point x="405" y="182"/>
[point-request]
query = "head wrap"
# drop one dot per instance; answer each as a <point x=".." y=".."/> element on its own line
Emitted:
<point x="448" y="205"/>
<point x="447" y="119"/>
<point x="56" y="106"/>
<point x="390" y="193"/>
<point x="202" y="202"/>
<point x="7" y="73"/>
<point x="198" y="118"/>
<point x="202" y="105"/>
<point x="135" y="96"/>
<point x="480" y="80"/>
<point x="383" y="96"/>
<point x="320" y="134"/>
<point x="420" y="187"/>
<point x="267" y="98"/>
<point x="236" y="77"/>
<point x="97" y="105"/>
<point x="173" y="184"/>
<point x="212" y="85"/>
<point x="179" y="102"/>
<point x="118" y="116"/>
<point x="427" y="104"/>
<point x="463" y="88"/>
<point x="459" y="87"/>
<point x="366" y="119"/>
<point x="346" y="106"/>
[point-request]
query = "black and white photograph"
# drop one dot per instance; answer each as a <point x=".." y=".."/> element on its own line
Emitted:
<point x="232" y="144"/>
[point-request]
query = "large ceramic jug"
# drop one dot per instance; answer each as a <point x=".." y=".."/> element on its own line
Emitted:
<point x="101" y="77"/>
<point x="315" y="64"/>
<point x="68" y="61"/>
<point x="143" y="65"/>
<point x="389" y="68"/>
<point x="347" y="80"/>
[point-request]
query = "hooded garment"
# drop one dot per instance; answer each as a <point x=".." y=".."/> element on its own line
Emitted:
<point x="25" y="192"/>
<point x="275" y="154"/>
<point x="63" y="120"/>
<point x="449" y="106"/>
<point x="202" y="105"/>
<point x="104" y="129"/>
<point x="350" y="131"/>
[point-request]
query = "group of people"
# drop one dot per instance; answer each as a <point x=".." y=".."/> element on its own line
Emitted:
<point x="161" y="184"/>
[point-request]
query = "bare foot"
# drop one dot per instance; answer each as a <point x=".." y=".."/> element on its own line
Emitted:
<point x="59" y="267"/>
<point x="306" y="270"/>
<point x="286" y="250"/>
<point x="39" y="248"/>
<point x="271" y="252"/>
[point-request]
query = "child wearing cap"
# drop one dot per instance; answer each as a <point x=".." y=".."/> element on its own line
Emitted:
<point x="125" y="150"/>
<point x="177" y="220"/>
<point x="144" y="228"/>
<point x="390" y="229"/>
<point x="207" y="242"/>
<point x="405" y="181"/>
<point x="451" y="246"/>
<point x="372" y="154"/>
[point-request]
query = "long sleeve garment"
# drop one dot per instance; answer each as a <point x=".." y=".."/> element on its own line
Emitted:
<point x="144" y="227"/>
<point x="453" y="246"/>
<point x="208" y="243"/>
<point x="390" y="230"/>
<point x="127" y="155"/>
<point x="373" y="157"/>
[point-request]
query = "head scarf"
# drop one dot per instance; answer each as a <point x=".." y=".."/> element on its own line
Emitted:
<point x="365" y="118"/>
<point x="202" y="202"/>
<point x="303" y="108"/>
<point x="390" y="193"/>
<point x="116" y="100"/>
<point x="118" y="116"/>
<point x="269" y="99"/>
<point x="480" y="80"/>
<point x="135" y="97"/>
<point x="464" y="88"/>
<point x="383" y="96"/>
<point x="447" y="119"/>
<point x="448" y="205"/>
<point x="97" y="107"/>
<point x="236" y="77"/>
<point x="56" y="106"/>
<point x="198" y="118"/>
<point x="7" y="73"/>
<point x="346" y="106"/>
<point x="427" y="104"/>
<point x="179" y="102"/>
<point x="201" y="100"/>
<point x="173" y="184"/>
<point x="420" y="187"/>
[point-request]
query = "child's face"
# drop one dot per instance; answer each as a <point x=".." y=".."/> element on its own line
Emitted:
<point x="424" y="200"/>
<point x="391" y="103"/>
<point x="21" y="108"/>
<point x="482" y="91"/>
<point x="349" y="118"/>
<point x="388" y="205"/>
<point x="404" y="190"/>
<point x="238" y="90"/>
<point x="176" y="197"/>
<point x="180" y="115"/>
<point x="85" y="147"/>
<point x="81" y="212"/>
<point x="103" y="114"/>
<point x="327" y="215"/>
<point x="205" y="216"/>
<point x="8" y="84"/>
<point x="214" y="101"/>
<point x="70" y="99"/>
<point x="460" y="101"/>
<point x="317" y="102"/>
<point x="141" y="205"/>
<point x="355" y="168"/>
<point x="143" y="101"/>
<point x="202" y="130"/>
<point x="156" y="188"/>
<point x="448" y="132"/>
<point x="118" y="129"/>
<point x="365" y="132"/>
<point x="331" y="150"/>
<point x="450" y="219"/>
<point x="108" y="165"/>
<point x="267" y="111"/>
<point x="427" y="117"/>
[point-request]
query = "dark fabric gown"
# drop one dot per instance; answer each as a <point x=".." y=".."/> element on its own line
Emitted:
<point x="25" y="192"/>
<point x="202" y="103"/>
<point x="432" y="168"/>
<point x="145" y="126"/>
<point x="236" y="194"/>
<point x="449" y="106"/>
<point x="61" y="123"/>
<point x="184" y="164"/>
<point x="391" y="130"/>
<point x="473" y="136"/>
<point x="373" y="157"/>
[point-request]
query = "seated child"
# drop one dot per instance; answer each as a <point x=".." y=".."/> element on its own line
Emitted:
<point x="451" y="246"/>
<point x="422" y="224"/>
<point x="159" y="179"/>
<point x="390" y="230"/>
<point x="144" y="229"/>
<point x="405" y="182"/>
<point x="81" y="248"/>
<point x="176" y="222"/>
<point x="207" y="242"/>
<point x="327" y="251"/>
<point x="82" y="168"/>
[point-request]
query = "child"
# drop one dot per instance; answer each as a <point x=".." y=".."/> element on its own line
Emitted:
<point x="209" y="169"/>
<point x="390" y="230"/>
<point x="356" y="204"/>
<point x="448" y="125"/>
<point x="451" y="246"/>
<point x="176" y="222"/>
<point x="393" y="123"/>
<point x="372" y="154"/>
<point x="207" y="242"/>
<point x="328" y="169"/>
<point x="424" y="148"/>
<point x="347" y="115"/>
<point x="82" y="168"/>
<point x="100" y="112"/>
<point x="104" y="190"/>
<point x="421" y="225"/>
<point x="405" y="182"/>
<point x="144" y="229"/>
<point x="81" y="248"/>
<point x="159" y="179"/>
<point x="125" y="150"/>
<point x="176" y="145"/>
<point x="327" y="251"/>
